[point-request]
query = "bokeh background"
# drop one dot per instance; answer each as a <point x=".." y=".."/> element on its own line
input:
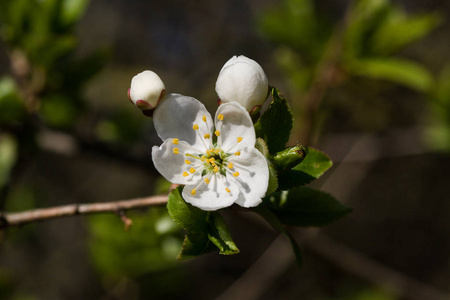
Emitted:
<point x="369" y="84"/>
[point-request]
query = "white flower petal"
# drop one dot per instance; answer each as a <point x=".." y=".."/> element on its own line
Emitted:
<point x="212" y="196"/>
<point x="235" y="126"/>
<point x="176" y="116"/>
<point x="253" y="178"/>
<point x="172" y="165"/>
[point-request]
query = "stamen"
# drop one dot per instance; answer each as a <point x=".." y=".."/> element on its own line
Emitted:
<point x="236" y="174"/>
<point x="237" y="153"/>
<point x="176" y="141"/>
<point x="216" y="151"/>
<point x="185" y="174"/>
<point x="188" y="162"/>
<point x="206" y="180"/>
<point x="220" y="117"/>
<point x="195" y="127"/>
<point x="228" y="190"/>
<point x="176" y="150"/>
<point x="239" y="139"/>
<point x="204" y="118"/>
<point x="230" y="165"/>
<point x="207" y="136"/>
<point x="194" y="191"/>
<point x="193" y="156"/>
<point x="192" y="170"/>
<point x="216" y="169"/>
<point x="217" y="132"/>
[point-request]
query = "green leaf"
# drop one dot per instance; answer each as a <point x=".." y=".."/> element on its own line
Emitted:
<point x="306" y="34"/>
<point x="72" y="10"/>
<point x="273" y="220"/>
<point x="205" y="231"/>
<point x="305" y="207"/>
<point x="193" y="221"/>
<point x="398" y="70"/>
<point x="311" y="168"/>
<point x="363" y="17"/>
<point x="273" y="177"/>
<point x="219" y="234"/>
<point x="275" y="124"/>
<point x="12" y="109"/>
<point x="399" y="30"/>
<point x="8" y="157"/>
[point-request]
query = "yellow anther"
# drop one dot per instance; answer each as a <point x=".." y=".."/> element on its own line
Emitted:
<point x="187" y="161"/>
<point x="207" y="180"/>
<point x="216" y="169"/>
<point x="185" y="174"/>
<point x="195" y="126"/>
<point x="176" y="150"/>
<point x="216" y="151"/>
<point x="237" y="153"/>
<point x="230" y="165"/>
<point x="220" y="117"/>
<point x="217" y="132"/>
<point x="228" y="190"/>
<point x="236" y="174"/>
<point x="204" y="118"/>
<point x="239" y="139"/>
<point x="192" y="170"/>
<point x="175" y="141"/>
<point x="207" y="136"/>
<point x="194" y="191"/>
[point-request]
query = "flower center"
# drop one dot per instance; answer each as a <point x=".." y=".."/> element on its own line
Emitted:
<point x="214" y="160"/>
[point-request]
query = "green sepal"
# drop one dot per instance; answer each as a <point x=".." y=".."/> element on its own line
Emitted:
<point x="219" y="235"/>
<point x="289" y="158"/>
<point x="273" y="177"/>
<point x="305" y="207"/>
<point x="312" y="167"/>
<point x="274" y="221"/>
<point x="275" y="124"/>
<point x="205" y="231"/>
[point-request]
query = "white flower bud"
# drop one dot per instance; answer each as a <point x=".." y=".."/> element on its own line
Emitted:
<point x="242" y="80"/>
<point x="146" y="90"/>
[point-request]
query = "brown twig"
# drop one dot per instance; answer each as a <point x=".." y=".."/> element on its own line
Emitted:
<point x="21" y="218"/>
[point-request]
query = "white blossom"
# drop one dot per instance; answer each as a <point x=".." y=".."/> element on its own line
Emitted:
<point x="146" y="90"/>
<point x="216" y="159"/>
<point x="242" y="80"/>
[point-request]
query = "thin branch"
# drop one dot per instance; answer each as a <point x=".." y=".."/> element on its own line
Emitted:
<point x="21" y="218"/>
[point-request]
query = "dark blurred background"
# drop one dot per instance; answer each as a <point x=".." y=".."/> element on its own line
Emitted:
<point x="368" y="82"/>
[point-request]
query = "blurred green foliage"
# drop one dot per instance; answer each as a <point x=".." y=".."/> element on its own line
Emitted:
<point x="150" y="245"/>
<point x="362" y="43"/>
<point x="41" y="42"/>
<point x="438" y="131"/>
<point x="319" y="55"/>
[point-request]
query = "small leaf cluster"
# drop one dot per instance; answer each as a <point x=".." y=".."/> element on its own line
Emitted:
<point x="41" y="40"/>
<point x="364" y="43"/>
<point x="287" y="202"/>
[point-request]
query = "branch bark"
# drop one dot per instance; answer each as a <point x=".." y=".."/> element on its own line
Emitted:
<point x="21" y="218"/>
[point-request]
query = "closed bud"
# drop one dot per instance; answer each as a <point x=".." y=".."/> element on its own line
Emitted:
<point x="146" y="91"/>
<point x="289" y="158"/>
<point x="243" y="80"/>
